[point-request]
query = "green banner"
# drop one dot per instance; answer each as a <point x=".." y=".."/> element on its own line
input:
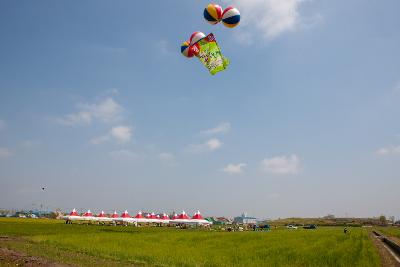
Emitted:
<point x="210" y="54"/>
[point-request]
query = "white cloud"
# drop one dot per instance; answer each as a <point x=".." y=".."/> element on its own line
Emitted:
<point x="99" y="140"/>
<point x="106" y="110"/>
<point x="3" y="125"/>
<point x="167" y="159"/>
<point x="210" y="145"/>
<point x="281" y="165"/>
<point x="271" y="18"/>
<point x="81" y="117"/>
<point x="123" y="154"/>
<point x="5" y="153"/>
<point x="220" y="128"/>
<point x="213" y="144"/>
<point x="384" y="151"/>
<point x="122" y="134"/>
<point x="234" y="168"/>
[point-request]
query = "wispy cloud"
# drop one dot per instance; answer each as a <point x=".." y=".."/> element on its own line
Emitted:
<point x="281" y="165"/>
<point x="213" y="144"/>
<point x="270" y="18"/>
<point x="5" y="153"/>
<point x="210" y="145"/>
<point x="121" y="134"/>
<point x="234" y="168"/>
<point x="99" y="139"/>
<point x="107" y="110"/>
<point x="385" y="151"/>
<point x="223" y="127"/>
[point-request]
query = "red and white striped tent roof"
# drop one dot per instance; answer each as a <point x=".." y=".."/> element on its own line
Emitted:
<point x="125" y="215"/>
<point x="139" y="215"/>
<point x="153" y="216"/>
<point x="164" y="217"/>
<point x="175" y="216"/>
<point x="102" y="214"/>
<point x="148" y="215"/>
<point x="73" y="213"/>
<point x="197" y="216"/>
<point x="115" y="215"/>
<point x="88" y="214"/>
<point x="183" y="216"/>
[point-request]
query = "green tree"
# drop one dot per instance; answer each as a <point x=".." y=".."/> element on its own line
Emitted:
<point x="382" y="219"/>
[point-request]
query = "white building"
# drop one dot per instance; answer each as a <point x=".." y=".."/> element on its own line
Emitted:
<point x="244" y="219"/>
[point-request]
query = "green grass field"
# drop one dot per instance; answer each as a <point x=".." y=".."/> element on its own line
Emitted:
<point x="389" y="231"/>
<point x="87" y="245"/>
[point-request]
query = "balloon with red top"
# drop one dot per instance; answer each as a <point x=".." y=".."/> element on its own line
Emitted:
<point x="231" y="17"/>
<point x="195" y="37"/>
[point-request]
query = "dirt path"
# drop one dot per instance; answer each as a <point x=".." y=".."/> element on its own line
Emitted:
<point x="395" y="239"/>
<point x="12" y="254"/>
<point x="386" y="258"/>
<point x="13" y="258"/>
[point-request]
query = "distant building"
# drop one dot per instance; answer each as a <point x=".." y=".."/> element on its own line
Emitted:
<point x="244" y="219"/>
<point x="329" y="217"/>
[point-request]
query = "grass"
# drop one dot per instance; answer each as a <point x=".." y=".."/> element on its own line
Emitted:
<point x="86" y="245"/>
<point x="390" y="231"/>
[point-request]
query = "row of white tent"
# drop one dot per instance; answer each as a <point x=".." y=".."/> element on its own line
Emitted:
<point x="182" y="218"/>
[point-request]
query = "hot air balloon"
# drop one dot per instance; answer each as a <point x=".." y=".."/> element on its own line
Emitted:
<point x="213" y="13"/>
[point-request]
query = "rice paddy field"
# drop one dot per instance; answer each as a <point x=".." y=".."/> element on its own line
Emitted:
<point x="390" y="231"/>
<point x="88" y="245"/>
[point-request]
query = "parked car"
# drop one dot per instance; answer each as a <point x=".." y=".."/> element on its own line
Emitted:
<point x="310" y="226"/>
<point x="290" y="226"/>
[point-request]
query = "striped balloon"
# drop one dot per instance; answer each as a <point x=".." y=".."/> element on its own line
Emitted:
<point x="231" y="17"/>
<point x="213" y="13"/>
<point x="194" y="50"/>
<point x="189" y="50"/>
<point x="185" y="47"/>
<point x="196" y="36"/>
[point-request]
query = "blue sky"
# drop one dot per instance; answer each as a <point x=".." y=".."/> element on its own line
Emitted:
<point x="98" y="105"/>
